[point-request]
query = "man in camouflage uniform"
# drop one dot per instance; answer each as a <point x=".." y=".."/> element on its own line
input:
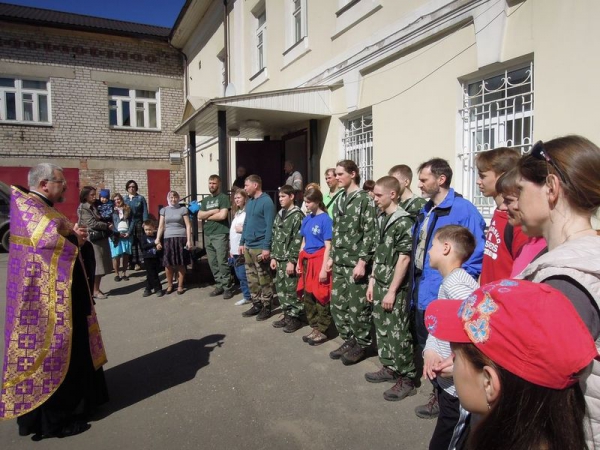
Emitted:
<point x="284" y="253"/>
<point x="354" y="231"/>
<point x="409" y="202"/>
<point x="388" y="290"/>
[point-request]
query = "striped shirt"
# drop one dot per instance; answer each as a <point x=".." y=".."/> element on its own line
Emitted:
<point x="456" y="286"/>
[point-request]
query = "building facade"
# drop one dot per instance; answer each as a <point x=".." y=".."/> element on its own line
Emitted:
<point x="98" y="97"/>
<point x="383" y="82"/>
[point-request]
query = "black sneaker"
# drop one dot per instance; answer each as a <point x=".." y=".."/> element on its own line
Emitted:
<point x="293" y="325"/>
<point x="217" y="291"/>
<point x="344" y="348"/>
<point x="227" y="294"/>
<point x="256" y="308"/>
<point x="146" y="293"/>
<point x="403" y="388"/>
<point x="382" y="375"/>
<point x="281" y="322"/>
<point x="431" y="410"/>
<point x="264" y="314"/>
<point x="160" y="293"/>
<point x="354" y="355"/>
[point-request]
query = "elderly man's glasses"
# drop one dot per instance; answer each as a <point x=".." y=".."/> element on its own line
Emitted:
<point x="52" y="180"/>
<point x="539" y="152"/>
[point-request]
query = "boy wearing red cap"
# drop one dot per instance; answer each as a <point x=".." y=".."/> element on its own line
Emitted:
<point x="520" y="352"/>
<point x="452" y="245"/>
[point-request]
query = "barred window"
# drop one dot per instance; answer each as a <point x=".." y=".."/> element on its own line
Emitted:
<point x="358" y="143"/>
<point x="497" y="112"/>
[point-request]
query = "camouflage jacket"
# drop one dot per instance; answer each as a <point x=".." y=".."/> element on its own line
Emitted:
<point x="354" y="229"/>
<point x="286" y="235"/>
<point x="413" y="205"/>
<point x="394" y="239"/>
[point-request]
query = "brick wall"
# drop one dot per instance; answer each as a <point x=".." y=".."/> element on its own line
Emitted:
<point x="80" y="124"/>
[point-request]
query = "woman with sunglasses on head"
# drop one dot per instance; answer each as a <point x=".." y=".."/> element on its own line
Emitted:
<point x="558" y="193"/>
<point x="139" y="213"/>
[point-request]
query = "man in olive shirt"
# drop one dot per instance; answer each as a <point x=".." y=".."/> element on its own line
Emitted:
<point x="215" y="214"/>
<point x="330" y="197"/>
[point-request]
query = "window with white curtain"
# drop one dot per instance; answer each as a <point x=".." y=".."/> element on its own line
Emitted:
<point x="133" y="108"/>
<point x="24" y="101"/>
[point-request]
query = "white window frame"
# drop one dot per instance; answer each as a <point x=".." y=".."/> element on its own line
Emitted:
<point x="134" y="100"/>
<point x="357" y="142"/>
<point x="261" y="41"/>
<point x="494" y="116"/>
<point x="294" y="14"/>
<point x="20" y="92"/>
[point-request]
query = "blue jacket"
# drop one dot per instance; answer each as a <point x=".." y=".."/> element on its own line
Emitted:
<point x="258" y="226"/>
<point x="454" y="210"/>
<point x="139" y="207"/>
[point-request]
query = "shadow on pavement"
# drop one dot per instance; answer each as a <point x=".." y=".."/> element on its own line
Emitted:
<point x="148" y="375"/>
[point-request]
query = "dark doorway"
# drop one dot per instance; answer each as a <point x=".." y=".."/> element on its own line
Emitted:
<point x="262" y="158"/>
<point x="295" y="146"/>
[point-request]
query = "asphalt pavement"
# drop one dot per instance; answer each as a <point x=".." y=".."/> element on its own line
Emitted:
<point x="188" y="372"/>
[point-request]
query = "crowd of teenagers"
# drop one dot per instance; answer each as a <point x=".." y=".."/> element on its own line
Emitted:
<point x="502" y="319"/>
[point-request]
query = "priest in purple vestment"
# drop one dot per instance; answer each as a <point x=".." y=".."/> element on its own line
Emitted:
<point x="52" y="375"/>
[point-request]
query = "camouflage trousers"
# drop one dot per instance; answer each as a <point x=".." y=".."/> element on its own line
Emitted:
<point x="286" y="291"/>
<point x="319" y="316"/>
<point x="259" y="277"/>
<point x="394" y="338"/>
<point x="349" y="307"/>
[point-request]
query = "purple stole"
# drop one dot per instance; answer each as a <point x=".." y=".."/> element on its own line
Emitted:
<point x="37" y="334"/>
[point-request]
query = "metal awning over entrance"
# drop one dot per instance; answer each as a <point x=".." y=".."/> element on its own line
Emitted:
<point x="270" y="113"/>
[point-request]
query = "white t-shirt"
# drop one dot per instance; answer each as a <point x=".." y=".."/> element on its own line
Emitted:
<point x="234" y="236"/>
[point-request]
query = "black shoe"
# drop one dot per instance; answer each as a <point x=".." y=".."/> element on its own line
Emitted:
<point x="160" y="293"/>
<point x="256" y="308"/>
<point x="264" y="314"/>
<point x="344" y="348"/>
<point x="354" y="355"/>
<point x="227" y="294"/>
<point x="403" y="388"/>
<point x="293" y="324"/>
<point x="216" y="291"/>
<point x="72" y="429"/>
<point x="281" y="322"/>
<point x="146" y="293"/>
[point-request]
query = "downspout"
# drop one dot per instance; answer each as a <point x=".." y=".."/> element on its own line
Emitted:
<point x="224" y="164"/>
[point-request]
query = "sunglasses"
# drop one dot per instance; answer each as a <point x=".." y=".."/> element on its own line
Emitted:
<point x="539" y="152"/>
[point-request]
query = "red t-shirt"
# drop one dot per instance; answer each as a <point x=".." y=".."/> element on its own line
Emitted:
<point x="497" y="258"/>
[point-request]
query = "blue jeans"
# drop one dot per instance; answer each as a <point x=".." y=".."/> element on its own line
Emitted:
<point x="240" y="272"/>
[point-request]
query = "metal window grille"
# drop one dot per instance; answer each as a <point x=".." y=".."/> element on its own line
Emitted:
<point x="497" y="112"/>
<point x="358" y="144"/>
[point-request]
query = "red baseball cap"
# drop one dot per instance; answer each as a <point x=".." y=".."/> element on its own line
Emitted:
<point x="530" y="329"/>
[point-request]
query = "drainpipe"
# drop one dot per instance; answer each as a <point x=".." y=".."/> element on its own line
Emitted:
<point x="224" y="141"/>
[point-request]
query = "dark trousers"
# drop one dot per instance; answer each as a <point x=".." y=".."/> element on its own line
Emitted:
<point x="446" y="421"/>
<point x="153" y="268"/>
<point x="136" y="249"/>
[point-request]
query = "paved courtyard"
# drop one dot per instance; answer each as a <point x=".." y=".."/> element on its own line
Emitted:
<point x="188" y="372"/>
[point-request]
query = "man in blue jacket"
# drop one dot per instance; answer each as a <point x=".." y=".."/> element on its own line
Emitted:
<point x="255" y="245"/>
<point x="445" y="207"/>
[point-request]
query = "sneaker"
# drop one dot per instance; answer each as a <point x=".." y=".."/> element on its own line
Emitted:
<point x="344" y="348"/>
<point x="354" y="355"/>
<point x="282" y="322"/>
<point x="256" y="308"/>
<point x="383" y="374"/>
<point x="293" y="325"/>
<point x="403" y="388"/>
<point x="264" y="313"/>
<point x="137" y="267"/>
<point x="242" y="302"/>
<point x="217" y="291"/>
<point x="146" y="293"/>
<point x="310" y="335"/>
<point x="160" y="293"/>
<point x="431" y="410"/>
<point x="227" y="294"/>
<point x="318" y="339"/>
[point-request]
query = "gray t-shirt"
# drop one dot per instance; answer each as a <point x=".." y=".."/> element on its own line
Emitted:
<point x="174" y="224"/>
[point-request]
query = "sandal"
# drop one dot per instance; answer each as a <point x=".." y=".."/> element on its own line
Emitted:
<point x="125" y="277"/>
<point x="117" y="278"/>
<point x="169" y="290"/>
<point x="100" y="296"/>
<point x="180" y="291"/>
